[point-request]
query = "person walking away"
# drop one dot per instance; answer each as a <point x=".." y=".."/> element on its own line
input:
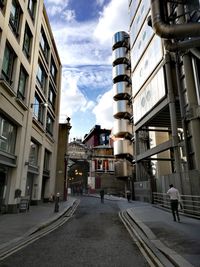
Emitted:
<point x="102" y="195"/>
<point x="128" y="195"/>
<point x="174" y="200"/>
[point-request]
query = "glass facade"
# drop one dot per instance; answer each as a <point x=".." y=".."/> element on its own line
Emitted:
<point x="151" y="58"/>
<point x="148" y="97"/>
<point x="141" y="44"/>
<point x="140" y="16"/>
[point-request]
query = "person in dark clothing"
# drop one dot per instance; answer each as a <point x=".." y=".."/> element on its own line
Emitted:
<point x="128" y="194"/>
<point x="102" y="195"/>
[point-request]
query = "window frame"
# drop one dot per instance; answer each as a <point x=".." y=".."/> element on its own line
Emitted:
<point x="33" y="157"/>
<point x="49" y="126"/>
<point x="42" y="77"/>
<point x="51" y="96"/>
<point x="38" y="110"/>
<point x="14" y="19"/>
<point x="32" y="8"/>
<point x="27" y="36"/>
<point x="8" y="134"/>
<point x="21" y="91"/>
<point x="44" y="45"/>
<point x="8" y="74"/>
<point x="53" y="70"/>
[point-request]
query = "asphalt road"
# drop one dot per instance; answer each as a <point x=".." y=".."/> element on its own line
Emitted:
<point x="93" y="237"/>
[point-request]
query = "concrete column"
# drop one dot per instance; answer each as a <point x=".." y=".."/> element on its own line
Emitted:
<point x="194" y="123"/>
<point x="172" y="108"/>
<point x="137" y="169"/>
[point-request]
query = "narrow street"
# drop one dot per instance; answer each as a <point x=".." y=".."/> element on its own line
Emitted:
<point x="95" y="236"/>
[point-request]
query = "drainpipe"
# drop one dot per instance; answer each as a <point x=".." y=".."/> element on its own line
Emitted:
<point x="174" y="31"/>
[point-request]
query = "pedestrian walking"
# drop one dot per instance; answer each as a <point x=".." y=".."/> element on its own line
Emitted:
<point x="102" y="195"/>
<point x="174" y="200"/>
<point x="128" y="195"/>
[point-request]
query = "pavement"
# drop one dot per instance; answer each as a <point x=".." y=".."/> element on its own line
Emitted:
<point x="180" y="241"/>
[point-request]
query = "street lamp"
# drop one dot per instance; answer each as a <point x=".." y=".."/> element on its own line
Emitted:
<point x="65" y="177"/>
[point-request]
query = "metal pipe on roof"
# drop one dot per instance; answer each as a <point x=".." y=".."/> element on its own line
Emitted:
<point x="168" y="31"/>
<point x="180" y="46"/>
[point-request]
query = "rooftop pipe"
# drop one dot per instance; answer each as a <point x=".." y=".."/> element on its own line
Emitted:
<point x="168" y="31"/>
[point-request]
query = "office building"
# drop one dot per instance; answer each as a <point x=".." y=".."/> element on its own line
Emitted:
<point x="30" y="72"/>
<point x="162" y="47"/>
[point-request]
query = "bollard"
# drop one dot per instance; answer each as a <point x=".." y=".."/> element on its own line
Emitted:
<point x="56" y="209"/>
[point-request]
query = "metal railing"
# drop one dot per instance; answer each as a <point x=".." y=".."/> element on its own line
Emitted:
<point x="190" y="205"/>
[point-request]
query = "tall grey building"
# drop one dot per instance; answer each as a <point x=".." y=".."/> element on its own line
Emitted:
<point x="30" y="72"/>
<point x="162" y="46"/>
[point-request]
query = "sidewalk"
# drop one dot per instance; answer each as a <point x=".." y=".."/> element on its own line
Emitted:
<point x="14" y="226"/>
<point x="178" y="240"/>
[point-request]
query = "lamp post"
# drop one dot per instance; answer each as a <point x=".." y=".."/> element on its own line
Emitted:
<point x="65" y="178"/>
<point x="66" y="158"/>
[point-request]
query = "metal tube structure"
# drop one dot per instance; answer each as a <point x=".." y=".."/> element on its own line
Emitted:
<point x="172" y="108"/>
<point x="171" y="31"/>
<point x="194" y="122"/>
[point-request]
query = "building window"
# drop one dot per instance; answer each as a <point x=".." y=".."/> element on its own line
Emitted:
<point x="27" y="41"/>
<point x="7" y="136"/>
<point x="100" y="164"/>
<point x="47" y="156"/>
<point x="15" y="14"/>
<point x="38" y="110"/>
<point x="41" y="77"/>
<point x="2" y="3"/>
<point x="51" y="97"/>
<point x="53" y="70"/>
<point x="111" y="165"/>
<point x="49" y="124"/>
<point x="8" y="63"/>
<point x="32" y="8"/>
<point x="33" y="155"/>
<point x="44" y="45"/>
<point x="104" y="139"/>
<point x="22" y="83"/>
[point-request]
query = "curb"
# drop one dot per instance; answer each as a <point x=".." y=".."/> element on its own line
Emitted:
<point x="37" y="227"/>
<point x="174" y="257"/>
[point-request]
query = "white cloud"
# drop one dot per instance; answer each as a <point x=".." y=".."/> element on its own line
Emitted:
<point x="72" y="99"/>
<point x="69" y="15"/>
<point x="100" y="2"/>
<point x="104" y="110"/>
<point x="114" y="18"/>
<point x="87" y="44"/>
<point x="57" y="2"/>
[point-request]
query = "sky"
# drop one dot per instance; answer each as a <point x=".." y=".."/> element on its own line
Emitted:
<point x="83" y="31"/>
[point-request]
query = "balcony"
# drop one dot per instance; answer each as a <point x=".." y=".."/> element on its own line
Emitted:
<point x="121" y="72"/>
<point x="120" y="39"/>
<point x="122" y="91"/>
<point x="122" y="109"/>
<point x="123" y="149"/>
<point x="120" y="56"/>
<point x="122" y="128"/>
